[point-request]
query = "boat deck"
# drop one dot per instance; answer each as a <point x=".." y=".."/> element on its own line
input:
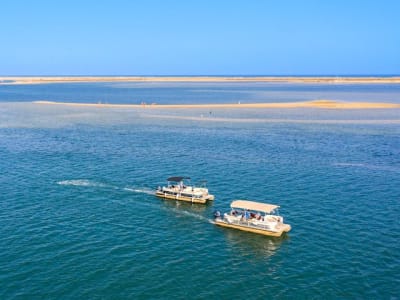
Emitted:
<point x="250" y="227"/>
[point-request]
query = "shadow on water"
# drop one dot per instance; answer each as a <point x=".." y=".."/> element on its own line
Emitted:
<point x="247" y="243"/>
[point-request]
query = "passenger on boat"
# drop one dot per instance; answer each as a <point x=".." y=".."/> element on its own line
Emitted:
<point x="245" y="215"/>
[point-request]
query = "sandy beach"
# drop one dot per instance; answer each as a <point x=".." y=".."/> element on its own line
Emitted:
<point x="289" y="79"/>
<point x="323" y="104"/>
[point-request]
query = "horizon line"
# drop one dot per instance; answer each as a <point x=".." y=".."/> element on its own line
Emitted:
<point x="206" y="75"/>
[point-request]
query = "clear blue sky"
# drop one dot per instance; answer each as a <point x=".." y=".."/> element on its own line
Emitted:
<point x="215" y="37"/>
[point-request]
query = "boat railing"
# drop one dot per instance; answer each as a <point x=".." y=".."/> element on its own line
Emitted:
<point x="249" y="223"/>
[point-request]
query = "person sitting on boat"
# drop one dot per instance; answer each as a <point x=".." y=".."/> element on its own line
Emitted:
<point x="245" y="215"/>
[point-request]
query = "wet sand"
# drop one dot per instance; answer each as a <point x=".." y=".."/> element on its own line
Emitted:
<point x="287" y="79"/>
<point x="323" y="104"/>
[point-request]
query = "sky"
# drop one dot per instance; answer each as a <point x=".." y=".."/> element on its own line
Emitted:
<point x="204" y="37"/>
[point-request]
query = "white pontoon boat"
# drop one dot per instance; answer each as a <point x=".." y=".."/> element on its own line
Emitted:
<point x="178" y="188"/>
<point x="253" y="217"/>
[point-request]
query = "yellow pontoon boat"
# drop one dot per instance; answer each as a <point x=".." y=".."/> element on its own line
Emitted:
<point x="253" y="217"/>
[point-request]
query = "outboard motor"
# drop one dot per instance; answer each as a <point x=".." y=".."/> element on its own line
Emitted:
<point x="217" y="214"/>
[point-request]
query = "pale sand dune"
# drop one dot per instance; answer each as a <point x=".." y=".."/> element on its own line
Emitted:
<point x="324" y="104"/>
<point x="323" y="79"/>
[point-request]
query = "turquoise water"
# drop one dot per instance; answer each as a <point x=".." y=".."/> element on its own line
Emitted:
<point x="198" y="92"/>
<point x="78" y="218"/>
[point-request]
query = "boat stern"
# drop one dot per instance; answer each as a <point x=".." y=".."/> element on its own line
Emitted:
<point x="210" y="197"/>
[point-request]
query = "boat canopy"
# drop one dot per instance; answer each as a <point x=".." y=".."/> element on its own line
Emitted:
<point x="252" y="205"/>
<point x="177" y="178"/>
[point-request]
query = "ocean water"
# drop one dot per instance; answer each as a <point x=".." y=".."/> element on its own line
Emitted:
<point x="197" y="92"/>
<point x="78" y="219"/>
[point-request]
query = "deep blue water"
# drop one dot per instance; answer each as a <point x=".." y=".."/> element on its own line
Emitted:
<point x="78" y="218"/>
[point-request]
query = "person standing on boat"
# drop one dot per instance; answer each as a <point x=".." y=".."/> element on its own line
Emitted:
<point x="245" y="215"/>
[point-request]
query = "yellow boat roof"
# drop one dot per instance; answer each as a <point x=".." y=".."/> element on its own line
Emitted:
<point x="252" y="205"/>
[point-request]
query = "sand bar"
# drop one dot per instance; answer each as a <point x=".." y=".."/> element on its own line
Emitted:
<point x="276" y="79"/>
<point x="323" y="104"/>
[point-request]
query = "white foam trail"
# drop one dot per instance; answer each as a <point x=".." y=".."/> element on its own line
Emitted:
<point x="82" y="182"/>
<point x="147" y="191"/>
<point x="348" y="165"/>
<point x="143" y="191"/>
<point x="193" y="215"/>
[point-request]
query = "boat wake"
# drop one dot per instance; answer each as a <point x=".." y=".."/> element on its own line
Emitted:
<point x="92" y="183"/>
<point x="147" y="191"/>
<point x="82" y="182"/>
<point x="192" y="215"/>
<point x="142" y="191"/>
<point x="348" y="165"/>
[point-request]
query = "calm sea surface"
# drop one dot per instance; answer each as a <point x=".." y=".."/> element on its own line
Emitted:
<point x="198" y="92"/>
<point x="78" y="219"/>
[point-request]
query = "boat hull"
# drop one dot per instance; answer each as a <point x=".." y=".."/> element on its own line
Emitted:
<point x="283" y="228"/>
<point x="183" y="198"/>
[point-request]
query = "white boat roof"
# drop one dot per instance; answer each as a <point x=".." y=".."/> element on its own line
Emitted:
<point x="252" y="205"/>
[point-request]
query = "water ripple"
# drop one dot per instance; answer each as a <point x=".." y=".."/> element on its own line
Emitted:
<point x="79" y="219"/>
